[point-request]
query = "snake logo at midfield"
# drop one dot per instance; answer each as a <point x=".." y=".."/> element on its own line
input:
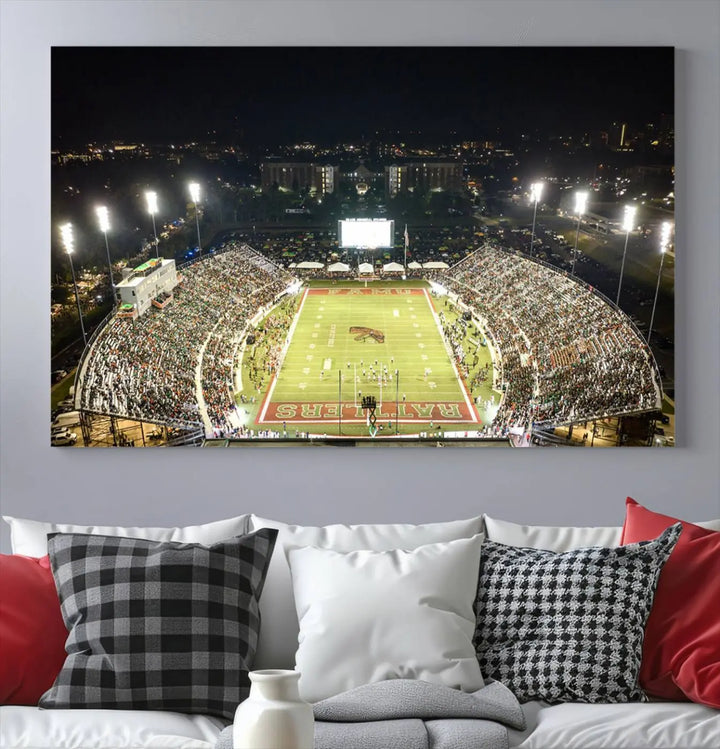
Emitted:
<point x="362" y="333"/>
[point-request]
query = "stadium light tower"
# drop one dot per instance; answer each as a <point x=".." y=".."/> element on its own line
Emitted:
<point x="104" y="223"/>
<point x="194" y="189"/>
<point x="627" y="225"/>
<point x="536" y="189"/>
<point x="580" y="207"/>
<point x="664" y="242"/>
<point x="66" y="232"/>
<point x="152" y="206"/>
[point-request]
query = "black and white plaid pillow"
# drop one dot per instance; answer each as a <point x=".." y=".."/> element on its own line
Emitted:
<point x="158" y="625"/>
<point x="568" y="627"/>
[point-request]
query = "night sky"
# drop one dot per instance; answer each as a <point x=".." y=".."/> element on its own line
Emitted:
<point x="264" y="95"/>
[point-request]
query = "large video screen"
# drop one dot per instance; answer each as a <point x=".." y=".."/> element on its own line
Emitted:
<point x="366" y="232"/>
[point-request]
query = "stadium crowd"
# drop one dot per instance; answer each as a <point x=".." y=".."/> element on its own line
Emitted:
<point x="148" y="368"/>
<point x="567" y="353"/>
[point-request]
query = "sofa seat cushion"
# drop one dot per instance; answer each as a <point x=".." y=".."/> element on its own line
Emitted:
<point x="647" y="725"/>
<point x="653" y="725"/>
<point x="23" y="727"/>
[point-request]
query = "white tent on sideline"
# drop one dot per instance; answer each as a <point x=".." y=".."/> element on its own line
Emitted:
<point x="414" y="265"/>
<point x="309" y="265"/>
<point x="365" y="269"/>
<point x="435" y="265"/>
<point x="393" y="268"/>
<point x="338" y="268"/>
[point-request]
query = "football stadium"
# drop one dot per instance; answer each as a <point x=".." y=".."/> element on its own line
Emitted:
<point x="492" y="347"/>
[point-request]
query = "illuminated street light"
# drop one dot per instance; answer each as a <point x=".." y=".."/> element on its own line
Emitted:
<point x="628" y="225"/>
<point x="664" y="242"/>
<point x="581" y="199"/>
<point x="536" y="189"/>
<point x="194" y="189"/>
<point x="152" y="206"/>
<point x="66" y="232"/>
<point x="104" y="223"/>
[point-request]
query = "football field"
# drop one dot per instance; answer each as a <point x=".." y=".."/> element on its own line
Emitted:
<point x="386" y="342"/>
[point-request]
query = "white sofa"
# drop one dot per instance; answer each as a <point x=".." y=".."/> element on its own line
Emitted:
<point x="650" y="725"/>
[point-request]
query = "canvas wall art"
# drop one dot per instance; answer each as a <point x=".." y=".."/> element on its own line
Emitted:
<point x="456" y="246"/>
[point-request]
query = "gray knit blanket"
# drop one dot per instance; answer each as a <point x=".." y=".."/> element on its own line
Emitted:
<point x="410" y="714"/>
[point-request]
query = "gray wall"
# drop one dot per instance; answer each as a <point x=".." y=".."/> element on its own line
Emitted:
<point x="325" y="485"/>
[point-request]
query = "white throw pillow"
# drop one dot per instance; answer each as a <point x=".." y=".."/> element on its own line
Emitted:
<point x="279" y="628"/>
<point x="29" y="537"/>
<point x="559" y="538"/>
<point x="367" y="616"/>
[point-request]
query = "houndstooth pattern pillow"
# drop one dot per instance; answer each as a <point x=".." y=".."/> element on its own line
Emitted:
<point x="158" y="625"/>
<point x="567" y="627"/>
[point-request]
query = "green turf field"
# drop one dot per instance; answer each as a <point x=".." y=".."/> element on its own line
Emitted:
<point x="326" y="364"/>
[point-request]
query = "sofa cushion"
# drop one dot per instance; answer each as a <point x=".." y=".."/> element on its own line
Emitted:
<point x="280" y="628"/>
<point x="30" y="728"/>
<point x="157" y="626"/>
<point x="558" y="537"/>
<point x="550" y="538"/>
<point x="681" y="653"/>
<point x="32" y="633"/>
<point x="29" y="537"/>
<point x="648" y="725"/>
<point x="567" y="627"/>
<point x="368" y="616"/>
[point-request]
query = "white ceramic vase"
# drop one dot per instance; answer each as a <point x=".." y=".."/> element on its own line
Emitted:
<point x="274" y="716"/>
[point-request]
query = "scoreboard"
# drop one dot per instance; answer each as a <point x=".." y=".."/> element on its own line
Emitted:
<point x="366" y="233"/>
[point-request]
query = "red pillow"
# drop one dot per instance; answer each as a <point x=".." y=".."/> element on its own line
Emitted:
<point x="32" y="633"/>
<point x="681" y="651"/>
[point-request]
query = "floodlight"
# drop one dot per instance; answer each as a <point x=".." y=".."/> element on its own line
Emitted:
<point x="103" y="218"/>
<point x="536" y="189"/>
<point x="665" y="232"/>
<point x="194" y="188"/>
<point x="152" y="204"/>
<point x="535" y="193"/>
<point x="66" y="232"/>
<point x="629" y="218"/>
<point x="581" y="199"/>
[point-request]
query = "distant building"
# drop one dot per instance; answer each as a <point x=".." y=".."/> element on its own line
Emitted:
<point x="429" y="175"/>
<point x="153" y="281"/>
<point x="293" y="175"/>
